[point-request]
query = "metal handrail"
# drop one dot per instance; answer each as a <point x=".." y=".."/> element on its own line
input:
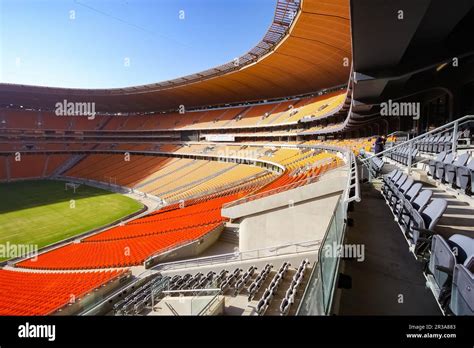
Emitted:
<point x="178" y="245"/>
<point x="445" y="127"/>
<point x="352" y="181"/>
<point x="284" y="188"/>
<point x="236" y="256"/>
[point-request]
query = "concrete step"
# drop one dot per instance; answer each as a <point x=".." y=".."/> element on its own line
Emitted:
<point x="230" y="234"/>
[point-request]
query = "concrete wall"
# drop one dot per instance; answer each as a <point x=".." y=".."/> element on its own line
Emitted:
<point x="297" y="215"/>
<point x="304" y="221"/>
<point x="189" y="250"/>
<point x="95" y="296"/>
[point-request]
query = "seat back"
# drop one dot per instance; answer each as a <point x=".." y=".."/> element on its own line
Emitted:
<point x="440" y="157"/>
<point x="449" y="158"/>
<point x="470" y="165"/>
<point x="433" y="212"/>
<point x="461" y="160"/>
<point x="413" y="191"/>
<point x="462" y="293"/>
<point x="422" y="199"/>
<point x="401" y="180"/>
<point x="441" y="255"/>
<point x="392" y="173"/>
<point x="463" y="247"/>
<point x="397" y="176"/>
<point x="407" y="184"/>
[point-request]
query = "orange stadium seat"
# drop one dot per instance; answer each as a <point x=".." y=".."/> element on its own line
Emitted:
<point x="28" y="293"/>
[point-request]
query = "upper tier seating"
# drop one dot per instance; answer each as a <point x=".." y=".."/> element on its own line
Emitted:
<point x="285" y="112"/>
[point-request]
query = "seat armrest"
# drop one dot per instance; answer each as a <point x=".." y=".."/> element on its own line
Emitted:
<point x="424" y="231"/>
<point x="444" y="269"/>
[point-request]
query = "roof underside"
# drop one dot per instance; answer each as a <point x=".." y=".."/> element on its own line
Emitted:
<point x="297" y="56"/>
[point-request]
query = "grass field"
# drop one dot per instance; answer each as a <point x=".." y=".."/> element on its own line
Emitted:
<point x="40" y="212"/>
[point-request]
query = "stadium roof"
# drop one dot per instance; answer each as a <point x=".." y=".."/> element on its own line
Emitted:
<point x="303" y="51"/>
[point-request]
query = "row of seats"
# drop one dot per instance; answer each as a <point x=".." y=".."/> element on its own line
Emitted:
<point x="259" y="280"/>
<point x="403" y="155"/>
<point x="437" y="143"/>
<point x="132" y="243"/>
<point x="455" y="170"/>
<point x="416" y="212"/>
<point x="271" y="290"/>
<point x="291" y="181"/>
<point x="268" y="114"/>
<point x="189" y="282"/>
<point x="296" y="282"/>
<point x="142" y="297"/>
<point x="117" y="253"/>
<point x="28" y="293"/>
<point x="450" y="263"/>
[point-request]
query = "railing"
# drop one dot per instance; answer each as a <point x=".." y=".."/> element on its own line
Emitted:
<point x="352" y="182"/>
<point x="286" y="249"/>
<point x="264" y="194"/>
<point x="319" y="293"/>
<point x="454" y="126"/>
<point x="150" y="259"/>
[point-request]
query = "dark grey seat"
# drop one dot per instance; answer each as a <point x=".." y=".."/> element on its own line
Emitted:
<point x="432" y="163"/>
<point x="285" y="306"/>
<point x="465" y="176"/>
<point x="408" y="207"/>
<point x="393" y="186"/>
<point x="390" y="178"/>
<point x="422" y="224"/>
<point x="462" y="293"/>
<point x="445" y="254"/>
<point x="450" y="169"/>
<point x="393" y="196"/>
<point x="414" y="190"/>
<point x="438" y="145"/>
<point x="440" y="166"/>
<point x="409" y="196"/>
<point x="431" y="146"/>
<point x="376" y="165"/>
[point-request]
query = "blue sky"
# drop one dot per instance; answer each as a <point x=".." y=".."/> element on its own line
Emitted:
<point x="42" y="44"/>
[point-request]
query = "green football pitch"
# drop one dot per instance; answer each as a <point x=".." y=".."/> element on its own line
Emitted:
<point x="42" y="212"/>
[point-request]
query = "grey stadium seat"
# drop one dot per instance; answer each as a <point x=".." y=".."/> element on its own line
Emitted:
<point x="409" y="196"/>
<point x="465" y="176"/>
<point x="462" y="293"/>
<point x="450" y="169"/>
<point x="423" y="223"/>
<point x="419" y="203"/>
<point x="432" y="163"/>
<point x="395" y="195"/>
<point x="445" y="254"/>
<point x="440" y="166"/>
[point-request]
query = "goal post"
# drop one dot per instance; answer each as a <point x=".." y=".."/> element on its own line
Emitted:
<point x="71" y="185"/>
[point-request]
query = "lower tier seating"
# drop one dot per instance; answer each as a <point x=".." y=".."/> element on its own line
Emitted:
<point x="27" y="293"/>
<point x="111" y="254"/>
